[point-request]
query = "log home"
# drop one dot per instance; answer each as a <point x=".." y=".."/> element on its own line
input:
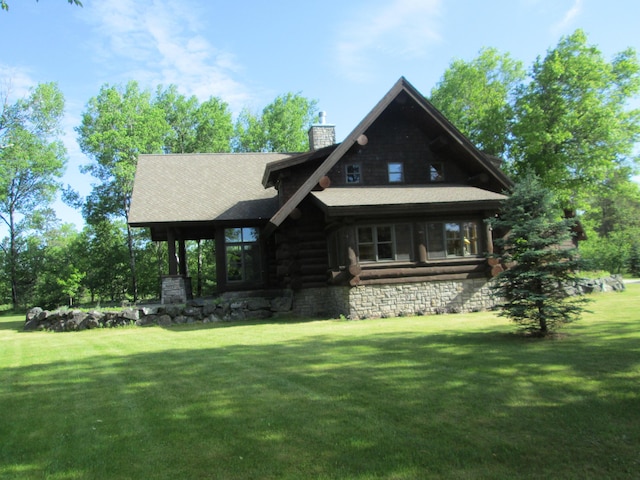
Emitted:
<point x="388" y="222"/>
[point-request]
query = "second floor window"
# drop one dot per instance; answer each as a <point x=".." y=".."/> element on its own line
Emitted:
<point x="396" y="172"/>
<point x="353" y="173"/>
<point x="436" y="172"/>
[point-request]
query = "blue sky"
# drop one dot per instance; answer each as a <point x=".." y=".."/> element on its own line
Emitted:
<point x="345" y="55"/>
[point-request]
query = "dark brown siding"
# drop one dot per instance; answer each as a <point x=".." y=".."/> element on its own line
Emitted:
<point x="394" y="138"/>
<point x="301" y="258"/>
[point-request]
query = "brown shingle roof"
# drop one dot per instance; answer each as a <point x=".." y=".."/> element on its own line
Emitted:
<point x="202" y="188"/>
<point x="338" y="199"/>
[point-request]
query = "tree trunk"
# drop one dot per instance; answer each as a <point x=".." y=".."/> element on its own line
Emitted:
<point x="13" y="259"/>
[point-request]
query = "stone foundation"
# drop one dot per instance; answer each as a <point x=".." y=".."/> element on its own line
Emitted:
<point x="395" y="300"/>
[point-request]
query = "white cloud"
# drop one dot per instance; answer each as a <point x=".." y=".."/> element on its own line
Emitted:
<point x="15" y="83"/>
<point x="161" y="42"/>
<point x="402" y="29"/>
<point x="568" y="18"/>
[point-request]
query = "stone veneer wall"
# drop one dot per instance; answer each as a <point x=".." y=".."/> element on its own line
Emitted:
<point x="176" y="289"/>
<point x="375" y="301"/>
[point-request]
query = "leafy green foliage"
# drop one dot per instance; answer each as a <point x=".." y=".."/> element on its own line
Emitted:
<point x="282" y="126"/>
<point x="541" y="267"/>
<point x="572" y="125"/>
<point x="118" y="125"/>
<point x="32" y="159"/>
<point x="5" y="6"/>
<point x="195" y="127"/>
<point x="613" y="225"/>
<point x="477" y="97"/>
<point x="634" y="259"/>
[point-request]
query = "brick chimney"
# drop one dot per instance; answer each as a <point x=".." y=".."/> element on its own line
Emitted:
<point x="321" y="134"/>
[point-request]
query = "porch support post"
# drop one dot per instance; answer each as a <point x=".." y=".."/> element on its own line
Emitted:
<point x="221" y="261"/>
<point x="182" y="256"/>
<point x="171" y="248"/>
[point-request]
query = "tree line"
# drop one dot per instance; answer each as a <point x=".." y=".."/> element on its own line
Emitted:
<point x="567" y="120"/>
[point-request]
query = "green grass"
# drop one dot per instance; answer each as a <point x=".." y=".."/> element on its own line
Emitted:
<point x="456" y="396"/>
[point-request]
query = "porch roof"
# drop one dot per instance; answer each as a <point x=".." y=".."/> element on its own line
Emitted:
<point x="354" y="200"/>
<point x="192" y="188"/>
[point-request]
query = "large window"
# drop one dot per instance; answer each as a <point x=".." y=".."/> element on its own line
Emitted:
<point x="385" y="243"/>
<point x="242" y="254"/>
<point x="452" y="239"/>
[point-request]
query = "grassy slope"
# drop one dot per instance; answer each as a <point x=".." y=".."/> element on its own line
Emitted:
<point x="454" y="396"/>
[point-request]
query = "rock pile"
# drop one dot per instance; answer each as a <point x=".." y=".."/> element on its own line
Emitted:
<point x="162" y="315"/>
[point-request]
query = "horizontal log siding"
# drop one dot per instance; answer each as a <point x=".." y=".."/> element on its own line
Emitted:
<point x="301" y="250"/>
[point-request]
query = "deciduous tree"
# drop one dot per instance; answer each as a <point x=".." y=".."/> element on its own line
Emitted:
<point x="573" y="126"/>
<point x="477" y="97"/>
<point x="118" y="125"/>
<point x="281" y="127"/>
<point x="32" y="160"/>
<point x="196" y="127"/>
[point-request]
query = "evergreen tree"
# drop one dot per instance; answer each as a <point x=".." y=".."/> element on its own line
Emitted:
<point x="536" y="288"/>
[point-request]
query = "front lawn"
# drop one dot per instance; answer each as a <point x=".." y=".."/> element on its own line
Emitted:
<point x="455" y="396"/>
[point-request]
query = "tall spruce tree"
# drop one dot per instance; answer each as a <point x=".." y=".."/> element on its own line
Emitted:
<point x="537" y="248"/>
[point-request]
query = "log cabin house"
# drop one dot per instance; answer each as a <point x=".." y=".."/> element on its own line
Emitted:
<point x="388" y="222"/>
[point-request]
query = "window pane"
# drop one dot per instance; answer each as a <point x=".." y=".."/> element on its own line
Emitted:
<point x="435" y="240"/>
<point x="366" y="253"/>
<point x="249" y="234"/>
<point x="232" y="235"/>
<point x="385" y="251"/>
<point x="353" y="173"/>
<point x="470" y="238"/>
<point x="365" y="235"/>
<point x="395" y="172"/>
<point x="384" y="234"/>
<point x="366" y="250"/>
<point x="454" y="242"/>
<point x="436" y="172"/>
<point x="234" y="263"/>
<point x="403" y="242"/>
<point x="251" y="262"/>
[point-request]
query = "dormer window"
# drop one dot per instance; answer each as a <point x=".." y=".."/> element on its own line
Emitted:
<point x="396" y="172"/>
<point x="436" y="172"/>
<point x="353" y="173"/>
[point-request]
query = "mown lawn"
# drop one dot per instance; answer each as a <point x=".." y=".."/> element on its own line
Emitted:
<point x="456" y="396"/>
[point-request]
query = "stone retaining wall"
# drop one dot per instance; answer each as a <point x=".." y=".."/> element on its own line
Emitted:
<point x="367" y="301"/>
<point x="220" y="310"/>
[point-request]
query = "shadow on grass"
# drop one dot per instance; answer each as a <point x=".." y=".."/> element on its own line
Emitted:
<point x="477" y="405"/>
